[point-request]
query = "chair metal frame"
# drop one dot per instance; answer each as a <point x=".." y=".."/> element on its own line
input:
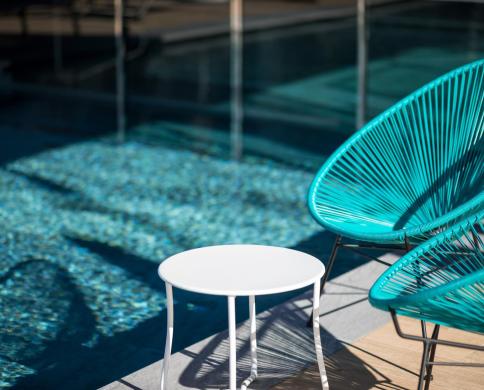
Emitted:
<point x="430" y="346"/>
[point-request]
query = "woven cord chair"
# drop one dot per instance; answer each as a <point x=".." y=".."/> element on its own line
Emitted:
<point x="440" y="281"/>
<point x="410" y="172"/>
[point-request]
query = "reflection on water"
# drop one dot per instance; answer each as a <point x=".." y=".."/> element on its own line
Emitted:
<point x="362" y="56"/>
<point x="236" y="79"/>
<point x="120" y="72"/>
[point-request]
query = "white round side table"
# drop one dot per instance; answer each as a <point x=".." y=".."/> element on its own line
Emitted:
<point x="241" y="270"/>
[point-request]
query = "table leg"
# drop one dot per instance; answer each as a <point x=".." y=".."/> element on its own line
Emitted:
<point x="253" y="344"/>
<point x="169" y="335"/>
<point x="317" y="336"/>
<point x="232" y="342"/>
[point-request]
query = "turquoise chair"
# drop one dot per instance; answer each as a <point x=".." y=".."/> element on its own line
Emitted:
<point x="440" y="281"/>
<point x="410" y="172"/>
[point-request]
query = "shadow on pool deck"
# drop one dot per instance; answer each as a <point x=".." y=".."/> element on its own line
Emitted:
<point x="285" y="343"/>
<point x="383" y="360"/>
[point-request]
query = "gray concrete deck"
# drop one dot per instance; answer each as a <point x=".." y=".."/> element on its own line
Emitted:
<point x="285" y="343"/>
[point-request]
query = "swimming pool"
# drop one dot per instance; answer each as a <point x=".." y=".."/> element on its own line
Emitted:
<point x="85" y="221"/>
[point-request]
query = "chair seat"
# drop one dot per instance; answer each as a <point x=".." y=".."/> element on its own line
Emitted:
<point x="411" y="171"/>
<point x="387" y="227"/>
<point x="441" y="281"/>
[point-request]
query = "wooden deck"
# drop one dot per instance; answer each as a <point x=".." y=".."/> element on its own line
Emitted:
<point x="382" y="360"/>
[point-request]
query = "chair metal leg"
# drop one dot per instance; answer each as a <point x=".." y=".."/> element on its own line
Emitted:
<point x="253" y="344"/>
<point x="428" y="376"/>
<point x="430" y="345"/>
<point x="317" y="337"/>
<point x="425" y="351"/>
<point x="329" y="267"/>
<point x="169" y="335"/>
<point x="423" y="366"/>
<point x="448" y="343"/>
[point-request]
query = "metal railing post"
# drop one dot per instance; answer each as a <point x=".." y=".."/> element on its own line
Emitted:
<point x="236" y="66"/>
<point x="120" y="75"/>
<point x="362" y="58"/>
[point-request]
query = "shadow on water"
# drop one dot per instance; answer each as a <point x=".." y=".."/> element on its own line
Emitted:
<point x="60" y="354"/>
<point x="58" y="322"/>
<point x="137" y="267"/>
<point x="41" y="182"/>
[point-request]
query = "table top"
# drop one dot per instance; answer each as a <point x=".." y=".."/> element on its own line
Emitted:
<point x="241" y="270"/>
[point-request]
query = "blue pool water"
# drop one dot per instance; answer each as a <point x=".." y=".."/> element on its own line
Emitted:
<point x="85" y="221"/>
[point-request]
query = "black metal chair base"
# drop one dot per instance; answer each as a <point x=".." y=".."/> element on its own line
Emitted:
<point x="355" y="247"/>
<point x="428" y="355"/>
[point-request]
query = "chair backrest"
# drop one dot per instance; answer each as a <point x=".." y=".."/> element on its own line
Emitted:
<point x="442" y="280"/>
<point x="417" y="166"/>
